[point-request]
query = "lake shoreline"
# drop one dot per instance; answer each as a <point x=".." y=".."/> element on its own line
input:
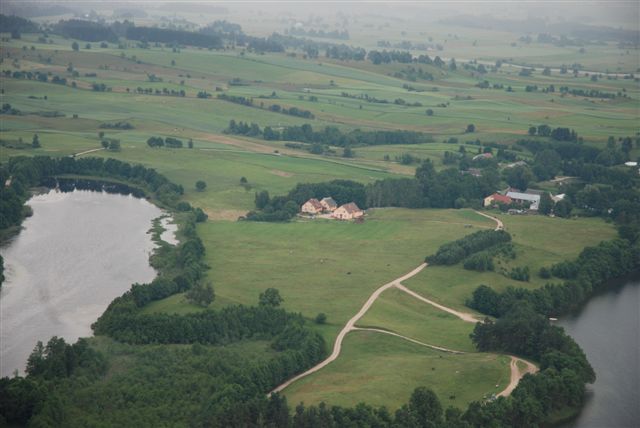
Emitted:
<point x="43" y="300"/>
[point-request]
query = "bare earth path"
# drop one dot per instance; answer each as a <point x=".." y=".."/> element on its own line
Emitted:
<point x="437" y="348"/>
<point x="86" y="151"/>
<point x="462" y="315"/>
<point x="515" y="377"/>
<point x="337" y="346"/>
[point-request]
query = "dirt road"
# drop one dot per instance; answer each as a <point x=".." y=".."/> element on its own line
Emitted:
<point x="462" y="315"/>
<point x="499" y="224"/>
<point x="337" y="346"/>
<point x="379" y="330"/>
<point x="516" y="375"/>
<point x="85" y="152"/>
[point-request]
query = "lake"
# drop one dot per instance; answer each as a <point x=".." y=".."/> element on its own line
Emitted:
<point x="608" y="330"/>
<point x="78" y="252"/>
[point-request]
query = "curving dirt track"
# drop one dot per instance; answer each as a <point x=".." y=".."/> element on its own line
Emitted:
<point x="337" y="346"/>
<point x="379" y="330"/>
<point x="515" y="377"/>
<point x="516" y="374"/>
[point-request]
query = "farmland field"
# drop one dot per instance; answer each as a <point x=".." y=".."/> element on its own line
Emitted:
<point x="547" y="110"/>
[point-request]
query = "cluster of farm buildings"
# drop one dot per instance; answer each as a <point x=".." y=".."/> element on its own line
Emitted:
<point x="330" y="208"/>
<point x="529" y="198"/>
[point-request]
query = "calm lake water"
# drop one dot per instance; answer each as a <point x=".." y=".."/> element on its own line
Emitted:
<point x="608" y="330"/>
<point x="77" y="252"/>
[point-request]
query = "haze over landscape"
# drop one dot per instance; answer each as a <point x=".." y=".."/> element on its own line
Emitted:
<point x="319" y="214"/>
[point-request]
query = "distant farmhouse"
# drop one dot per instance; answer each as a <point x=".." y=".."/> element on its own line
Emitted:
<point x="312" y="206"/>
<point x="347" y="212"/>
<point x="328" y="208"/>
<point x="329" y="204"/>
<point x="515" y="196"/>
<point x="497" y="198"/>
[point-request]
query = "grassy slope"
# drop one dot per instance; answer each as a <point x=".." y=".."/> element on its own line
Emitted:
<point x="383" y="370"/>
<point x="323" y="266"/>
<point x="405" y="315"/>
<point x="539" y="241"/>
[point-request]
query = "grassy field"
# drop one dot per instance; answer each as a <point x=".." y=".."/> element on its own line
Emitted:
<point x="403" y="314"/>
<point x="383" y="370"/>
<point x="328" y="266"/>
<point x="323" y="265"/>
<point x="539" y="242"/>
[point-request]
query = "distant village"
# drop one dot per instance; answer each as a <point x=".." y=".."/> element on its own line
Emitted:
<point x="328" y="208"/>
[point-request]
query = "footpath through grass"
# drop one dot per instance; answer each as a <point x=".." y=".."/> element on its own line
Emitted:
<point x="383" y="370"/>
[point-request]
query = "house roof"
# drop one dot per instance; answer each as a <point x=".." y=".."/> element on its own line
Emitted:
<point x="351" y="208"/>
<point x="329" y="201"/>
<point x="316" y="203"/>
<point x="534" y="191"/>
<point x="501" y="198"/>
<point x="483" y="155"/>
<point x="523" y="196"/>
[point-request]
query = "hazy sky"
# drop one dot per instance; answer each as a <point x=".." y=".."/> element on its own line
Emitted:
<point x="625" y="13"/>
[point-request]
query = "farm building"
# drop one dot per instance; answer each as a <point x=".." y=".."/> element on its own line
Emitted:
<point x="347" y="212"/>
<point x="497" y="198"/>
<point x="312" y="206"/>
<point x="482" y="156"/>
<point x="329" y="204"/>
<point x="521" y="198"/>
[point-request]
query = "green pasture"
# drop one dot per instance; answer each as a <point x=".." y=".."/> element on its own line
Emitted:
<point x="401" y="313"/>
<point x="539" y="242"/>
<point x="383" y="370"/>
<point x="323" y="265"/>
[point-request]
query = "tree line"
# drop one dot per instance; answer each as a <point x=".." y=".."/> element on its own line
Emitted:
<point x="430" y="189"/>
<point x="330" y="135"/>
<point x="585" y="276"/>
<point x="455" y="251"/>
<point x="25" y="172"/>
<point x="276" y="108"/>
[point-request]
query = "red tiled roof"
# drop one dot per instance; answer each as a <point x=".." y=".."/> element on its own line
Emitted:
<point x="501" y="198"/>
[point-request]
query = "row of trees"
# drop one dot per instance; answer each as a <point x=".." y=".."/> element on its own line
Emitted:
<point x="455" y="251"/>
<point x="169" y="142"/>
<point x="558" y="134"/>
<point x="330" y="135"/>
